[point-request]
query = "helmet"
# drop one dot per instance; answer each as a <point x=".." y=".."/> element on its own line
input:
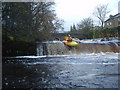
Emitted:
<point x="69" y="35"/>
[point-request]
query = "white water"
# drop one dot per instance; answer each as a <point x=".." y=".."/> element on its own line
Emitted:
<point x="92" y="70"/>
<point x="83" y="55"/>
<point x="107" y="58"/>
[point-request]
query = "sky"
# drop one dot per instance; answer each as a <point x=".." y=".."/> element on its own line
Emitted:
<point x="73" y="11"/>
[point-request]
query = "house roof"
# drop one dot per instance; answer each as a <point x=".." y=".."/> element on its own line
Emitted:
<point x="114" y="16"/>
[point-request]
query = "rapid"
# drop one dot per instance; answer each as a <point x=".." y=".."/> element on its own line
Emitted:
<point x="90" y="65"/>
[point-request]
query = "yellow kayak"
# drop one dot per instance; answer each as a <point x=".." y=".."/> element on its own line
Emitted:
<point x="73" y="43"/>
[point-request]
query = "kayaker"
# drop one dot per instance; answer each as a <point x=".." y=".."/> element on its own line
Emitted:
<point x="69" y="38"/>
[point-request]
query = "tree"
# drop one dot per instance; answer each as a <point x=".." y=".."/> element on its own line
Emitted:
<point x="16" y="21"/>
<point x="85" y="27"/>
<point x="45" y="20"/>
<point x="100" y="12"/>
<point x="58" y="23"/>
<point x="73" y="28"/>
<point x="28" y="21"/>
<point x="85" y="23"/>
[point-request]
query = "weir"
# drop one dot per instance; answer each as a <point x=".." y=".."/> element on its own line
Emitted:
<point x="58" y="48"/>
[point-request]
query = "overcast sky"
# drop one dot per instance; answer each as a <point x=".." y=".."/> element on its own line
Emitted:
<point x="73" y="11"/>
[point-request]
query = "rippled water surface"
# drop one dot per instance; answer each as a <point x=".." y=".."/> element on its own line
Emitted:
<point x="66" y="71"/>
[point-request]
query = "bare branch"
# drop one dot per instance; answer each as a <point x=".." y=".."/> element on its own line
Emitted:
<point x="100" y="12"/>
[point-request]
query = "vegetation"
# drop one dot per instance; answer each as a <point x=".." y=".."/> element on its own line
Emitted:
<point x="100" y="12"/>
<point x="29" y="21"/>
<point x="36" y="21"/>
<point x="84" y="28"/>
<point x="87" y="30"/>
<point x="24" y="23"/>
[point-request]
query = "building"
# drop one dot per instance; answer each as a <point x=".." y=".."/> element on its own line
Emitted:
<point x="113" y="21"/>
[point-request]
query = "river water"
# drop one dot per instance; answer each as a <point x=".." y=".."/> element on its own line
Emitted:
<point x="92" y="70"/>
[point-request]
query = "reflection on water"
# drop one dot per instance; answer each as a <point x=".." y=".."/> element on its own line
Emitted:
<point x="95" y="70"/>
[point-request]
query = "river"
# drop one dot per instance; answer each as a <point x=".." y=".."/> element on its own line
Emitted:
<point x="88" y="70"/>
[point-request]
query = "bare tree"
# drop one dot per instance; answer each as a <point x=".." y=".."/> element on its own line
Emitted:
<point x="100" y="12"/>
<point x="85" y="23"/>
<point x="85" y="27"/>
